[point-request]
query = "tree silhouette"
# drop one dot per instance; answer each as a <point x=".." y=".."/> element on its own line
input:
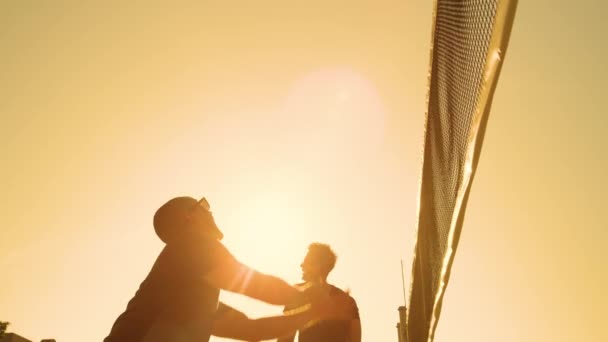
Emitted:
<point x="3" y="326"/>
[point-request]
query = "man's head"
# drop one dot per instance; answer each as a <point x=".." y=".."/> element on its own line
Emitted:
<point x="319" y="261"/>
<point x="183" y="216"/>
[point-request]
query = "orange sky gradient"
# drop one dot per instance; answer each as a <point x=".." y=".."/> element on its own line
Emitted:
<point x="300" y="122"/>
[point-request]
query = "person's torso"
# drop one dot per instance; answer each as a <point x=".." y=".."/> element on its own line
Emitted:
<point x="173" y="296"/>
<point x="327" y="330"/>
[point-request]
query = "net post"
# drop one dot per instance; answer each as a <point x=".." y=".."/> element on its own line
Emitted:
<point x="399" y="332"/>
<point x="403" y="324"/>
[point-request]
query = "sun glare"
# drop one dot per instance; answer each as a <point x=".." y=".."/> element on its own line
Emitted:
<point x="331" y="121"/>
<point x="267" y="227"/>
<point x="335" y="111"/>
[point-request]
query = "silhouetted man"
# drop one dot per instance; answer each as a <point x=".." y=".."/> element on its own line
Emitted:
<point x="178" y="300"/>
<point x="318" y="263"/>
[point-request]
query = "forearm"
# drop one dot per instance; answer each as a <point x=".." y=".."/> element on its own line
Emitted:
<point x="272" y="327"/>
<point x="234" y="324"/>
<point x="236" y="277"/>
<point x="289" y="338"/>
<point x="269" y="289"/>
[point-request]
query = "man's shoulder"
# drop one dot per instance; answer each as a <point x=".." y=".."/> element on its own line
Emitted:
<point x="334" y="290"/>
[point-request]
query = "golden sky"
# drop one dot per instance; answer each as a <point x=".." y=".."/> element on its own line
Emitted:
<point x="300" y="122"/>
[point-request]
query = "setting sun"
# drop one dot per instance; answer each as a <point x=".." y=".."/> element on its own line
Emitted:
<point x="300" y="122"/>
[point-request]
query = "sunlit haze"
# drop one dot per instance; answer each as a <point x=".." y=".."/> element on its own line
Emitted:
<point x="299" y="122"/>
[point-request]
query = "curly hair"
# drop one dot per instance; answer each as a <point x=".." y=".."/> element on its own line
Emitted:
<point x="324" y="255"/>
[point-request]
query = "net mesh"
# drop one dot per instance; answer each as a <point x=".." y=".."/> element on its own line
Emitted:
<point x="458" y="102"/>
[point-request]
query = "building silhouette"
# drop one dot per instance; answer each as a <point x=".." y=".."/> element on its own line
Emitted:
<point x="12" y="337"/>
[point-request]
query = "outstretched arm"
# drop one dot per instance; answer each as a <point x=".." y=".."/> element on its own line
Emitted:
<point x="289" y="338"/>
<point x="236" y="325"/>
<point x="233" y="324"/>
<point x="229" y="274"/>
